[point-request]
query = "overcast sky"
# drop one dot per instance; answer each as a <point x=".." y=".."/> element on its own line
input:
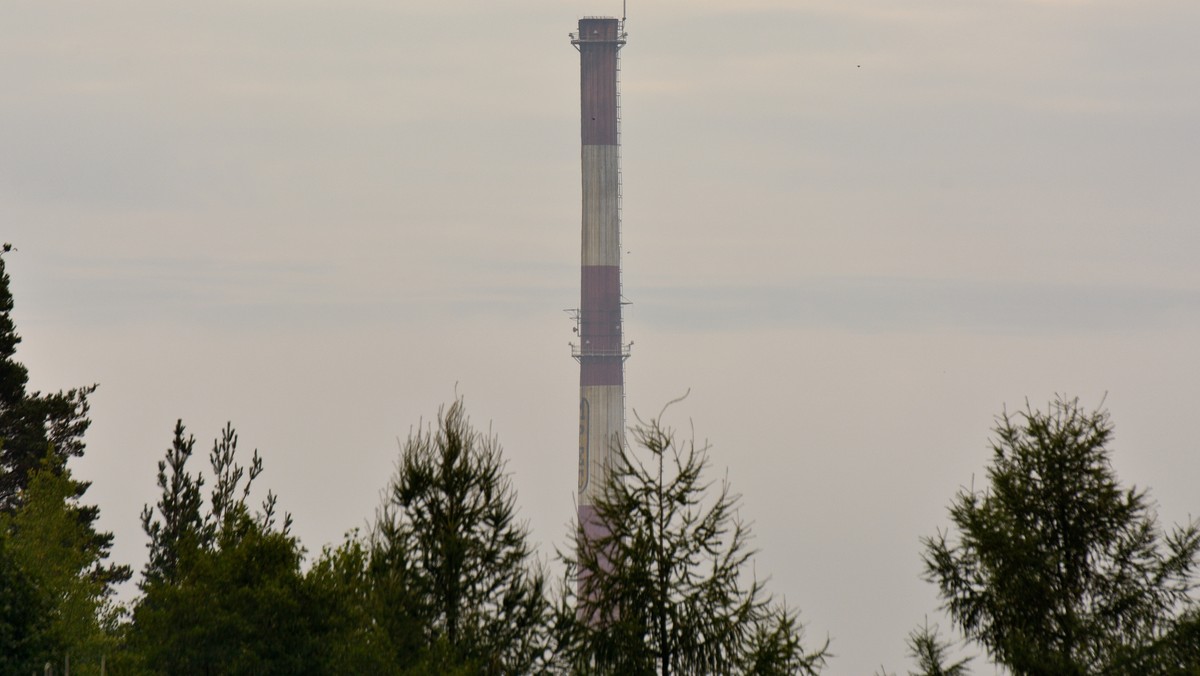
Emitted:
<point x="857" y="230"/>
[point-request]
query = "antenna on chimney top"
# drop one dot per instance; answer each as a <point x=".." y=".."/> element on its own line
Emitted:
<point x="623" y="3"/>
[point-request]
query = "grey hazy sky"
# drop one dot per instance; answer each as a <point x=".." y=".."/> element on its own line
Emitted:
<point x="857" y="229"/>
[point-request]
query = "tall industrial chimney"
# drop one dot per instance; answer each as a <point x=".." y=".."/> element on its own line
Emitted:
<point x="600" y="351"/>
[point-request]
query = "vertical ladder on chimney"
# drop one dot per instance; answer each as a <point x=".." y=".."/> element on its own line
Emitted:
<point x="620" y="216"/>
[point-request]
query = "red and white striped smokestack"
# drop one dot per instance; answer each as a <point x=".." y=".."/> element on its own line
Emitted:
<point x="600" y="352"/>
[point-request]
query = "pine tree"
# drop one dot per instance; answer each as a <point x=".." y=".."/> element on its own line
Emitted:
<point x="222" y="591"/>
<point x="177" y="529"/>
<point x="664" y="590"/>
<point x="34" y="424"/>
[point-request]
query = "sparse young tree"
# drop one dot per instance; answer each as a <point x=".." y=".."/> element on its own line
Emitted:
<point x="178" y="527"/>
<point x="931" y="653"/>
<point x="665" y="589"/>
<point x="1054" y="568"/>
<point x="927" y="648"/>
<point x="451" y="557"/>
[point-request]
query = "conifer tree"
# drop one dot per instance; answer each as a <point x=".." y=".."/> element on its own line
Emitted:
<point x="452" y="558"/>
<point x="60" y="556"/>
<point x="1054" y="567"/>
<point x="24" y="616"/>
<point x="222" y="591"/>
<point x="178" y="527"/>
<point x="665" y="588"/>
<point x="930" y="651"/>
<point x="34" y="424"/>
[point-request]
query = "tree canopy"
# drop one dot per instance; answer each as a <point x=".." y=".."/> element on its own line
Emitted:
<point x="1054" y="567"/>
<point x="24" y="616"/>
<point x="54" y="570"/>
<point x="222" y="590"/>
<point x="665" y="590"/>
<point x="63" y="560"/>
<point x="448" y="550"/>
<point x="32" y="422"/>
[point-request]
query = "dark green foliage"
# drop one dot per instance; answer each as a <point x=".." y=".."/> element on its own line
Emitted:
<point x="931" y="654"/>
<point x="450" y="564"/>
<point x="179" y="528"/>
<point x="396" y="608"/>
<point x="663" y="591"/>
<point x="60" y="556"/>
<point x="340" y="583"/>
<point x="33" y="424"/>
<point x="13" y="375"/>
<point x="56" y="580"/>
<point x="239" y="608"/>
<point x="223" y="591"/>
<point x="776" y="647"/>
<point x="24" y="616"/>
<point x="1178" y="654"/>
<point x="1055" y="568"/>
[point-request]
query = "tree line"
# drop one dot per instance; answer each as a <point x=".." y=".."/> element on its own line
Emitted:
<point x="1053" y="567"/>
